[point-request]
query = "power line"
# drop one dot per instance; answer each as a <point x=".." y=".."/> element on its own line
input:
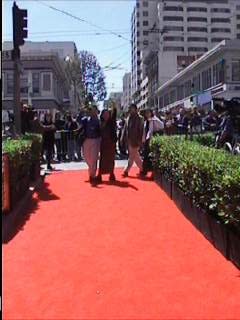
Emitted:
<point x="82" y="20"/>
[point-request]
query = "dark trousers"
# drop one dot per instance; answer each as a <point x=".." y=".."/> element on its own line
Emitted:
<point x="147" y="160"/>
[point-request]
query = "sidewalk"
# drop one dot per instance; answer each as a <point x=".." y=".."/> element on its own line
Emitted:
<point x="116" y="251"/>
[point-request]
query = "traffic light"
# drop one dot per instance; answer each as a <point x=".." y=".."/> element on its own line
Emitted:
<point x="19" y="26"/>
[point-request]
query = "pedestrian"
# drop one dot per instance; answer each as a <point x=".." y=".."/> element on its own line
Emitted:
<point x="59" y="125"/>
<point x="147" y="135"/>
<point x="72" y="128"/>
<point x="122" y="145"/>
<point x="133" y="130"/>
<point x="91" y="145"/>
<point x="108" y="143"/>
<point x="48" y="138"/>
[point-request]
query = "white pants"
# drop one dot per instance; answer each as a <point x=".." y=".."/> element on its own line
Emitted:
<point x="91" y="149"/>
<point x="134" y="156"/>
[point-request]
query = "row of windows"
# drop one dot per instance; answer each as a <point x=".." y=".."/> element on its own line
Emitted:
<point x="46" y="83"/>
<point x="202" y="81"/>
<point x="181" y="49"/>
<point x="196" y="19"/>
<point x="196" y="9"/>
<point x="198" y="29"/>
<point x="194" y="39"/>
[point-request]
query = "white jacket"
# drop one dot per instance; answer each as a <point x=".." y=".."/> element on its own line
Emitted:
<point x="155" y="125"/>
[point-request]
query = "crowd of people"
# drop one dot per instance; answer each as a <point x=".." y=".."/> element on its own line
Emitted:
<point x="90" y="133"/>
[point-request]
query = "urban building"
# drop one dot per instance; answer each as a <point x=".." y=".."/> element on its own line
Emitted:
<point x="64" y="49"/>
<point x="216" y="74"/>
<point x="37" y="59"/>
<point x="183" y="31"/>
<point x="144" y="103"/>
<point x="116" y="97"/>
<point x="43" y="83"/>
<point x="143" y="19"/>
<point x="126" y="95"/>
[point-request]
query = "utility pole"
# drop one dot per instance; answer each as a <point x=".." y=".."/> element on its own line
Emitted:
<point x="19" y="34"/>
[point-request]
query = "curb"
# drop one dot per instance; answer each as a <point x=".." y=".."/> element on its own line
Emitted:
<point x="9" y="219"/>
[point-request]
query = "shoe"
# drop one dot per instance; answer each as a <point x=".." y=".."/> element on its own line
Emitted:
<point x="142" y="174"/>
<point x="125" y="174"/>
<point x="112" y="177"/>
<point x="98" y="179"/>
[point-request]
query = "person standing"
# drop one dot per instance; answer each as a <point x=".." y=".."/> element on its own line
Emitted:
<point x="133" y="130"/>
<point x="59" y="125"/>
<point x="48" y="138"/>
<point x="72" y="128"/>
<point x="108" y="144"/>
<point x="91" y="145"/>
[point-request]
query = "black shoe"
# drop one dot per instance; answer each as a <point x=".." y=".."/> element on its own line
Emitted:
<point x="112" y="177"/>
<point x="125" y="174"/>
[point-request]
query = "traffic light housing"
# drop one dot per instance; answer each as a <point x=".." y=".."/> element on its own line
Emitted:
<point x="19" y="26"/>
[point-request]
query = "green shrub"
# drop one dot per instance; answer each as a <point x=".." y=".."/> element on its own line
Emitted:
<point x="209" y="177"/>
<point x="24" y="154"/>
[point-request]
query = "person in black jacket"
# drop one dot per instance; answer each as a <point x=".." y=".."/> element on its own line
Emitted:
<point x="72" y="128"/>
<point x="48" y="138"/>
<point x="108" y="143"/>
<point x="59" y="137"/>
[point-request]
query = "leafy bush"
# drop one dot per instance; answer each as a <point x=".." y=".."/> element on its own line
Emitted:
<point x="209" y="177"/>
<point x="24" y="154"/>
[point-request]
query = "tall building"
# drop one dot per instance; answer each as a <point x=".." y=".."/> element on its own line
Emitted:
<point x="117" y="98"/>
<point x="182" y="31"/>
<point x="143" y="18"/>
<point x="126" y="96"/>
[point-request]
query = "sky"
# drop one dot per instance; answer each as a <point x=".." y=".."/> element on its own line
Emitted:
<point x="46" y="24"/>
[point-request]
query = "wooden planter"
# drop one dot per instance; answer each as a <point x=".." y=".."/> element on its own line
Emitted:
<point x="35" y="170"/>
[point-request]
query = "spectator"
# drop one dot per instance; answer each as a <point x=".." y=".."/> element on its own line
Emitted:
<point x="48" y="138"/>
<point x="72" y="128"/>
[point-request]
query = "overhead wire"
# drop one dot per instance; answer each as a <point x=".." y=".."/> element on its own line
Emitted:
<point x="82" y="20"/>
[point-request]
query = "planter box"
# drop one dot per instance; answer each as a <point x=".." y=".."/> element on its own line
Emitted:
<point x="220" y="234"/>
<point x="190" y="212"/>
<point x="167" y="186"/>
<point x="158" y="177"/>
<point x="204" y="223"/>
<point x="35" y="171"/>
<point x="177" y="196"/>
<point x="234" y="247"/>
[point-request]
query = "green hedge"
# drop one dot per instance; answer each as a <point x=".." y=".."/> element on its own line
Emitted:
<point x="24" y="156"/>
<point x="209" y="177"/>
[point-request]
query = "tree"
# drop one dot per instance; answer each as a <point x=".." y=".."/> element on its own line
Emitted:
<point x="93" y="79"/>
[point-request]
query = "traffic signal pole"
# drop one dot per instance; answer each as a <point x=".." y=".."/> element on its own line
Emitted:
<point x="19" y="34"/>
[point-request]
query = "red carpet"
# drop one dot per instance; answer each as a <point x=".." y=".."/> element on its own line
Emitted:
<point x="113" y="252"/>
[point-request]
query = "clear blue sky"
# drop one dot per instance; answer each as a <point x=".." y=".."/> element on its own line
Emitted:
<point x="45" y="24"/>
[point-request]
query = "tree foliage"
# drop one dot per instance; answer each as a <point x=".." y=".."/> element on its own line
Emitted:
<point x="93" y="78"/>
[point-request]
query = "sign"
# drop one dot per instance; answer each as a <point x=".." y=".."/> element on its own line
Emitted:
<point x="7" y="55"/>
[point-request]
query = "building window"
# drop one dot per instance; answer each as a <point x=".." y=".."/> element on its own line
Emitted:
<point x="187" y="88"/>
<point x="180" y="92"/>
<point x="145" y="42"/>
<point x="197" y="29"/>
<point x="178" y="8"/>
<point x="197" y="19"/>
<point x="173" y="28"/>
<point x="221" y="20"/>
<point x="197" y="83"/>
<point x="207" y="79"/>
<point x="196" y="9"/>
<point x="9" y="83"/>
<point x="166" y="99"/>
<point x="172" y="18"/>
<point x="238" y="36"/>
<point x="145" y="4"/>
<point x="219" y="39"/>
<point x="46" y="82"/>
<point x="145" y="23"/>
<point x="218" y="73"/>
<point x="173" y="49"/>
<point x="222" y="10"/>
<point x="169" y="38"/>
<point x="226" y="30"/>
<point x="145" y="33"/>
<point x="145" y="13"/>
<point x="35" y="82"/>
<point x="195" y="49"/>
<point x="197" y="39"/>
<point x="24" y="83"/>
<point x="236" y="70"/>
